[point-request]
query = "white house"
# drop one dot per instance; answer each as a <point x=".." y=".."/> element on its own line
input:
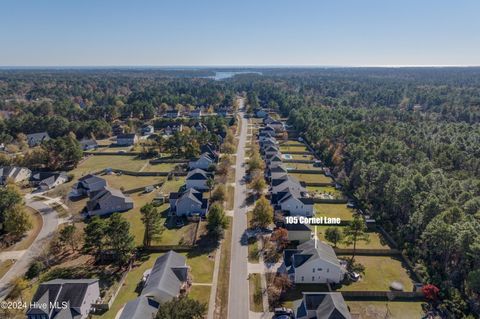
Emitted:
<point x="14" y="173"/>
<point x="203" y="162"/>
<point x="172" y="114"/>
<point x="188" y="203"/>
<point x="48" y="180"/>
<point x="147" y="130"/>
<point x="313" y="262"/>
<point x="295" y="204"/>
<point x="197" y="178"/>
<point x="127" y="139"/>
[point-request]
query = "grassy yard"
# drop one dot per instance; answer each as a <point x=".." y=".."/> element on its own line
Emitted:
<point x="127" y="182"/>
<point x="221" y="299"/>
<point x="378" y="309"/>
<point x="309" y="157"/>
<point x="380" y="272"/>
<point x="96" y="163"/>
<point x="173" y="185"/>
<point x="291" y="142"/>
<point x="376" y="240"/>
<point x="296" y="148"/>
<point x="253" y="251"/>
<point x="302" y="166"/>
<point x="201" y="265"/>
<point x="313" y="178"/>
<point x="255" y="289"/>
<point x="230" y="197"/>
<point x="200" y="293"/>
<point x="163" y="167"/>
<point x="334" y="210"/>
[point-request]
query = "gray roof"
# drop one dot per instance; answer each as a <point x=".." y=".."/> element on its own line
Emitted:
<point x="167" y="276"/>
<point x="197" y="173"/>
<point x="290" y="182"/>
<point x="105" y="193"/>
<point x="327" y="305"/>
<point x="11" y="172"/>
<point x="61" y="290"/>
<point x="47" y="178"/>
<point x="322" y="251"/>
<point x="140" y="308"/>
<point x="37" y="138"/>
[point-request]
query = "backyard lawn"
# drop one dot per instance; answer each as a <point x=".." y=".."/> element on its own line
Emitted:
<point x="330" y="190"/>
<point x="376" y="241"/>
<point x="97" y="163"/>
<point x="302" y="166"/>
<point x="291" y="142"/>
<point x="296" y="148"/>
<point x="378" y="309"/>
<point x="309" y="157"/>
<point x="200" y="293"/>
<point x="312" y="178"/>
<point x="173" y="185"/>
<point x="127" y="182"/>
<point x="334" y="210"/>
<point x="162" y="167"/>
<point x="380" y="272"/>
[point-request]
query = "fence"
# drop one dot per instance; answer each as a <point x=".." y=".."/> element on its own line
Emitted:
<point x="299" y="161"/>
<point x="169" y="160"/>
<point x="166" y="248"/>
<point x="368" y="252"/>
<point x="319" y="184"/>
<point x="382" y="295"/>
<point x="112" y="153"/>
<point x="329" y="201"/>
<point x="307" y="171"/>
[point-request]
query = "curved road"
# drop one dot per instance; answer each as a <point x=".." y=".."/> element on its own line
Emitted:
<point x="50" y="224"/>
<point x="238" y="297"/>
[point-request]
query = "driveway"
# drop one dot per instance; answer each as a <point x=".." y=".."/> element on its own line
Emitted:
<point x="238" y="297"/>
<point x="50" y="224"/>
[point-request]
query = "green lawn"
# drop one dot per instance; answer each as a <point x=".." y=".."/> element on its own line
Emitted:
<point x="380" y="272"/>
<point x="163" y="167"/>
<point x="313" y="178"/>
<point x="296" y="148"/>
<point x="200" y="293"/>
<point x="291" y="142"/>
<point x="376" y="240"/>
<point x="378" y="309"/>
<point x="253" y="251"/>
<point x="255" y="289"/>
<point x="302" y="166"/>
<point x="96" y="163"/>
<point x="201" y="266"/>
<point x="134" y="216"/>
<point x="173" y="185"/>
<point x="309" y="157"/>
<point x="334" y="210"/>
<point x="127" y="182"/>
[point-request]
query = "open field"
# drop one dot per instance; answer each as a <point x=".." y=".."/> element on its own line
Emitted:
<point x="127" y="182"/>
<point x="200" y="293"/>
<point x="380" y="272"/>
<point x="376" y="240"/>
<point x="313" y="178"/>
<point x="97" y="163"/>
<point x="378" y="309"/>
<point x="255" y="292"/>
<point x="334" y="210"/>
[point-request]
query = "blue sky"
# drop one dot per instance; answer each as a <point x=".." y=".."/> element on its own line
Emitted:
<point x="242" y="32"/>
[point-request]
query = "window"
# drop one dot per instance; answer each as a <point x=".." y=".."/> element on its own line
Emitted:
<point x="313" y="278"/>
<point x="303" y="278"/>
<point x="313" y="270"/>
<point x="328" y="269"/>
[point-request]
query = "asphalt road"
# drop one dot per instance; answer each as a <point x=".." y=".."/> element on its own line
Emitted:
<point x="50" y="224"/>
<point x="238" y="300"/>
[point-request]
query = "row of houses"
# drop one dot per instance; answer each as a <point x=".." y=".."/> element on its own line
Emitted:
<point x="42" y="180"/>
<point x="77" y="298"/>
<point x="196" y="113"/>
<point x="190" y="201"/>
<point x="312" y="261"/>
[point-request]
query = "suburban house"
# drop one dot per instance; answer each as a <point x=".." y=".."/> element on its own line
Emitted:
<point x="188" y="203"/>
<point x="64" y="298"/>
<point x="313" y="262"/>
<point x="172" y="114"/>
<point x="287" y="182"/>
<point x="88" y="144"/>
<point x="147" y="130"/>
<point x="203" y="162"/>
<point x="263" y="135"/>
<point x="278" y="126"/>
<point x="223" y="111"/>
<point x="268" y="141"/>
<point x="276" y="172"/>
<point x="294" y="203"/>
<point x="270" y="150"/>
<point x="88" y="185"/>
<point x="211" y="149"/>
<point x="197" y="178"/>
<point x="140" y="308"/>
<point x="321" y="305"/>
<point x="299" y="232"/>
<point x="170" y="130"/>
<point x="15" y="174"/>
<point x="168" y="278"/>
<point x="48" y="180"/>
<point x="269" y="130"/>
<point x="37" y="138"/>
<point x="196" y="113"/>
<point x="118" y="129"/>
<point x="267" y="120"/>
<point x="127" y="139"/>
<point x="107" y="201"/>
<point x="272" y="159"/>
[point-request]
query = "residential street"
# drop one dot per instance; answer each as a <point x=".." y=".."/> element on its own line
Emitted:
<point x="50" y="224"/>
<point x="238" y="299"/>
